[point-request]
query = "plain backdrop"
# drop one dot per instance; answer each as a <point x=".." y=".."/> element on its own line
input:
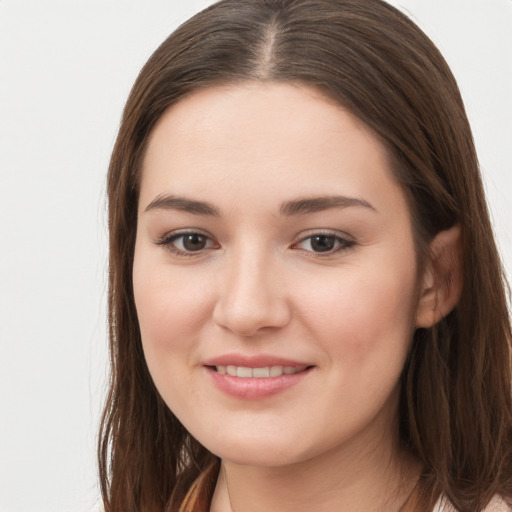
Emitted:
<point x="66" y="68"/>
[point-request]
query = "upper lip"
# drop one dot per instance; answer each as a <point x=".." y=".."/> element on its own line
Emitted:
<point x="258" y="361"/>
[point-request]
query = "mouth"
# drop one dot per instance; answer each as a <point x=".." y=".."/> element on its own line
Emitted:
<point x="246" y="372"/>
<point x="256" y="378"/>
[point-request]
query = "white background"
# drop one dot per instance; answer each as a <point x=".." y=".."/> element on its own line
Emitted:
<point x="66" y="68"/>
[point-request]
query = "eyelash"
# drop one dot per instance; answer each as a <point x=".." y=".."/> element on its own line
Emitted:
<point x="169" y="242"/>
<point x="341" y="243"/>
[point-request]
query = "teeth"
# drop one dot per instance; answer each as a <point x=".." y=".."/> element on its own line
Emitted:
<point x="276" y="371"/>
<point x="242" y="371"/>
<point x="261" y="372"/>
<point x="258" y="373"/>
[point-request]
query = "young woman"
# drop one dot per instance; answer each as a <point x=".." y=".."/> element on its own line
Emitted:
<point x="307" y="308"/>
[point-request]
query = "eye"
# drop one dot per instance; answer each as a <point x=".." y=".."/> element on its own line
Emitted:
<point x="187" y="243"/>
<point x="323" y="243"/>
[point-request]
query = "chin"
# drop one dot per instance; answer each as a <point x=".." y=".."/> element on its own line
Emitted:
<point x="257" y="450"/>
<point x="258" y="456"/>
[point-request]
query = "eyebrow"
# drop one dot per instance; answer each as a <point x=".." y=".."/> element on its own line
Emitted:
<point x="170" y="202"/>
<point x="319" y="204"/>
<point x="288" y="209"/>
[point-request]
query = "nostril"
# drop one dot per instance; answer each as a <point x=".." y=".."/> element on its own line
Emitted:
<point x="251" y="298"/>
<point x="251" y="318"/>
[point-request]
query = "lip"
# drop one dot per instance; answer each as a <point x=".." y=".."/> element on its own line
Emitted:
<point x="254" y="388"/>
<point x="259" y="361"/>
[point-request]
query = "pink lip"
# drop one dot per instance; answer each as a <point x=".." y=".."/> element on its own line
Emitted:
<point x="254" y="388"/>
<point x="260" y="361"/>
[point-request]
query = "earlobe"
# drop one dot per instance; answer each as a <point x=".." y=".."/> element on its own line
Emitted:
<point x="442" y="279"/>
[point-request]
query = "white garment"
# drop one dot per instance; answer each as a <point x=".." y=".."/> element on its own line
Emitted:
<point x="496" y="505"/>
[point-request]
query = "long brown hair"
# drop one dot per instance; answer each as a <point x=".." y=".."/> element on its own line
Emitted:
<point x="455" y="413"/>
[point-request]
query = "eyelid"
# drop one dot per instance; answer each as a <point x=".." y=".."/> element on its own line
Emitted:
<point x="167" y="240"/>
<point x="345" y="241"/>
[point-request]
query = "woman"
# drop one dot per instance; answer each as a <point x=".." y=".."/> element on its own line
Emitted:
<point x="307" y="308"/>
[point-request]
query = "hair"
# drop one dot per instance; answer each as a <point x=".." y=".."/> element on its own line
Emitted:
<point x="455" y="410"/>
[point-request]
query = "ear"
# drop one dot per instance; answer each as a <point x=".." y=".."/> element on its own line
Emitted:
<point x="443" y="278"/>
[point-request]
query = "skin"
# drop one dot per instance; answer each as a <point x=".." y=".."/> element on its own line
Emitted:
<point x="258" y="286"/>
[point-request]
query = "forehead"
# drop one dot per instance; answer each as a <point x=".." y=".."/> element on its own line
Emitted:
<point x="263" y="139"/>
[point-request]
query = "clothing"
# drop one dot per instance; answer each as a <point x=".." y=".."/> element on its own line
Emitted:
<point x="200" y="494"/>
<point x="497" y="504"/>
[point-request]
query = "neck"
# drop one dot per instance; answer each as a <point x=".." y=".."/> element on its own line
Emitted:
<point x="364" y="477"/>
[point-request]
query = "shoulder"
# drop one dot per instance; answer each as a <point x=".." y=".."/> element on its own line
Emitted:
<point x="497" y="504"/>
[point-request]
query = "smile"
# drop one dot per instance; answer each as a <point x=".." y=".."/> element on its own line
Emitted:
<point x="255" y="378"/>
<point x="245" y="372"/>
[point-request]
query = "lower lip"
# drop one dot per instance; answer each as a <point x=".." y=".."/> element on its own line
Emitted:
<point x="255" y="388"/>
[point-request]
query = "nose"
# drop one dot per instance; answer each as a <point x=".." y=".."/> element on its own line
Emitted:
<point x="252" y="297"/>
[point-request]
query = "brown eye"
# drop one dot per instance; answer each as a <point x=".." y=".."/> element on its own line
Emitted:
<point x="194" y="242"/>
<point x="322" y="243"/>
<point x="187" y="244"/>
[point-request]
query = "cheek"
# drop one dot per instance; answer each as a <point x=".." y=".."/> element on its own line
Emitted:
<point x="370" y="314"/>
<point x="171" y="309"/>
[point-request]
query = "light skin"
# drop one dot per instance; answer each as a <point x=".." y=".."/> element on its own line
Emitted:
<point x="270" y="223"/>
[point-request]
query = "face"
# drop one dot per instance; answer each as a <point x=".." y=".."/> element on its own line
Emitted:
<point x="274" y="275"/>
